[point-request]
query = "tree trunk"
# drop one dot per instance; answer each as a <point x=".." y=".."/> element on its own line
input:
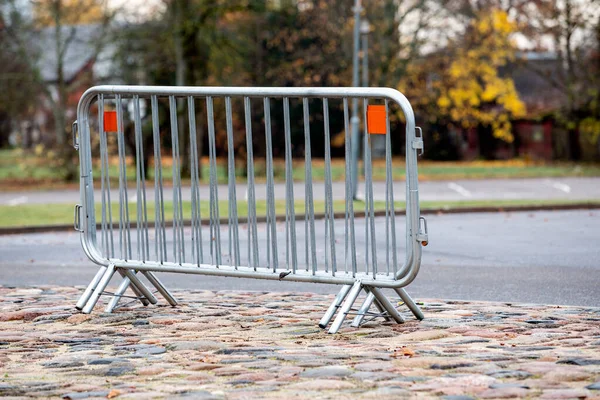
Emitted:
<point x="572" y="124"/>
<point x="64" y="152"/>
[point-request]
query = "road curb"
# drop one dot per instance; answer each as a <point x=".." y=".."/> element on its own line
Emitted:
<point x="339" y="215"/>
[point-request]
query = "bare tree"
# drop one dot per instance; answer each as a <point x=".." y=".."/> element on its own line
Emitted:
<point x="50" y="31"/>
<point x="569" y="28"/>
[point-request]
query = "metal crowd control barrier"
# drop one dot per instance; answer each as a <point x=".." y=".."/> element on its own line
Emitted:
<point x="128" y="230"/>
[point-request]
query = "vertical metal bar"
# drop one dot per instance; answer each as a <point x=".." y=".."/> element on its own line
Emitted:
<point x="369" y="191"/>
<point x="104" y="243"/>
<point x="345" y="309"/>
<point x="328" y="187"/>
<point x="142" y="210"/>
<point x="103" y="148"/>
<point x="144" y="199"/>
<point x="388" y="172"/>
<point x="138" y="185"/>
<point x="124" y="224"/>
<point x="107" y="226"/>
<point x="289" y="180"/>
<point x="366" y="194"/>
<point x="174" y="152"/>
<point x="309" y="205"/>
<point x="334" y="306"/>
<point x="233" y="215"/>
<point x="193" y="180"/>
<point x="252" y="229"/>
<point x="215" y="228"/>
<point x="307" y="177"/>
<point x="326" y="218"/>
<point x="350" y="231"/>
<point x="159" y="205"/>
<point x="196" y="214"/>
<point x="178" y="238"/>
<point x="271" y="221"/>
<point x="121" y="150"/>
<point x="392" y="213"/>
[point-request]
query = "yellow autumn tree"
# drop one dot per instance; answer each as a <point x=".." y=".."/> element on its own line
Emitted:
<point x="470" y="90"/>
<point x="70" y="12"/>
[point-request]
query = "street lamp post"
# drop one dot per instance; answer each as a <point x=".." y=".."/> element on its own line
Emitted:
<point x="354" y="120"/>
<point x="377" y="141"/>
<point x="365" y="29"/>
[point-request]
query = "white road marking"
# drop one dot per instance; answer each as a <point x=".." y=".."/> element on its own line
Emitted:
<point x="558" y="186"/>
<point x="459" y="189"/>
<point x="133" y="199"/>
<point x="17" y="201"/>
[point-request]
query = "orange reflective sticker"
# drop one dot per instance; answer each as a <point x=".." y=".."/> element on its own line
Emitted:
<point x="376" y="121"/>
<point x="110" y="121"/>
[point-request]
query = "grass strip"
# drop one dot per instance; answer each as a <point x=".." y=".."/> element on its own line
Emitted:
<point x="59" y="214"/>
<point x="20" y="169"/>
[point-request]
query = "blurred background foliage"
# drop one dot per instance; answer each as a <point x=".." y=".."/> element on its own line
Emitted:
<point x="487" y="78"/>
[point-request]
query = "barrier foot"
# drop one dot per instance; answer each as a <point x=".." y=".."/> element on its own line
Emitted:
<point x="85" y="297"/>
<point x="414" y="308"/>
<point x="135" y="282"/>
<point x="114" y="301"/>
<point x="345" y="308"/>
<point x="387" y="305"/>
<point x="381" y="310"/>
<point x="104" y="280"/>
<point x="364" y="309"/>
<point x="160" y="287"/>
<point x="135" y="290"/>
<point x="334" y="306"/>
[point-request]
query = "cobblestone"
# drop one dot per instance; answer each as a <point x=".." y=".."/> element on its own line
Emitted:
<point x="240" y="345"/>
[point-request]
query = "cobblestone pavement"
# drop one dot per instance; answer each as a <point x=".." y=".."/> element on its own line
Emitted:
<point x="245" y="345"/>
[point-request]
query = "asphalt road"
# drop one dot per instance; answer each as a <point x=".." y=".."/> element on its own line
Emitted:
<point x="550" y="257"/>
<point x="491" y="189"/>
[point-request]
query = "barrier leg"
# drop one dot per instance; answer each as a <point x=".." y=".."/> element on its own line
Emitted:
<point x="135" y="281"/>
<point x="160" y="287"/>
<point x="343" y="312"/>
<point x="117" y="296"/>
<point x="364" y="309"/>
<point x="85" y="297"/>
<point x="91" y="303"/>
<point x="126" y="283"/>
<point x="387" y="305"/>
<point x="414" y="308"/>
<point x="334" y="306"/>
<point x="136" y="291"/>
<point x="381" y="310"/>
